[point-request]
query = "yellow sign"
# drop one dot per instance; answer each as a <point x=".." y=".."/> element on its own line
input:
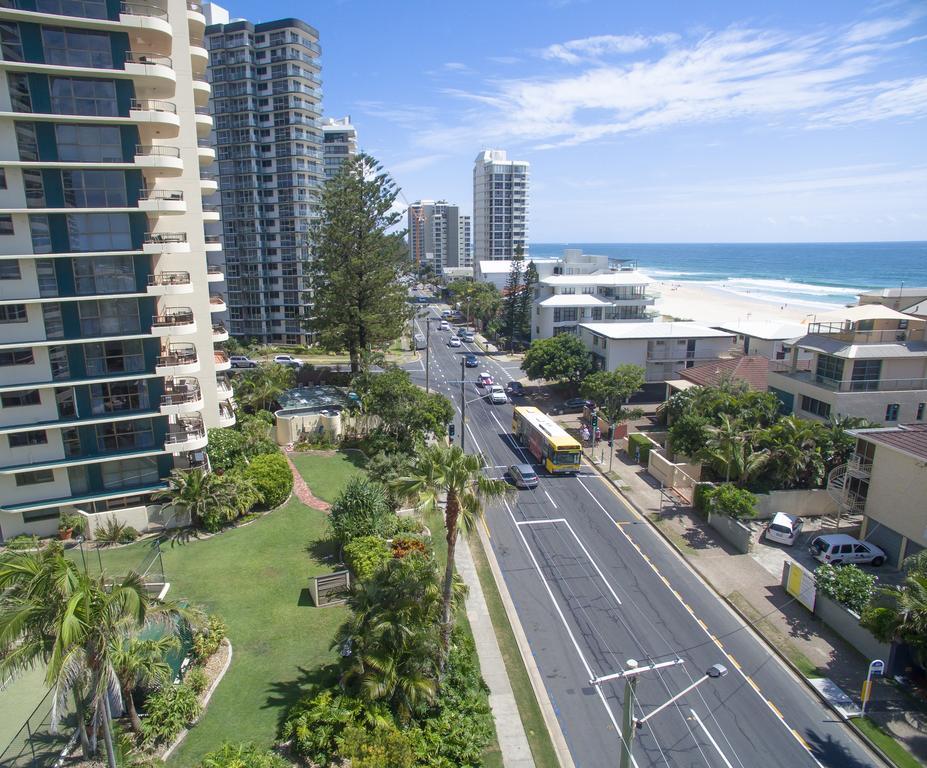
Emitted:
<point x="867" y="690"/>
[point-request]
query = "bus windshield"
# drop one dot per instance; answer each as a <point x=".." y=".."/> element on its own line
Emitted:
<point x="565" y="457"/>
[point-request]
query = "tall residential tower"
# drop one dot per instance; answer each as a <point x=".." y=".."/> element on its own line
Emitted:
<point x="266" y="104"/>
<point x="500" y="205"/>
<point x="439" y="235"/>
<point x="108" y="376"/>
<point x="340" y="143"/>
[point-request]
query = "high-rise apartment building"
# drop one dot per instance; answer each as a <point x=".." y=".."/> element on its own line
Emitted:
<point x="108" y="376"/>
<point x="439" y="235"/>
<point x="500" y="205"/>
<point x="340" y="143"/>
<point x="266" y="105"/>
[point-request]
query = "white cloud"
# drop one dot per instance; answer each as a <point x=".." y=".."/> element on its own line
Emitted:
<point x="414" y="163"/>
<point x="576" y="51"/>
<point x="456" y="66"/>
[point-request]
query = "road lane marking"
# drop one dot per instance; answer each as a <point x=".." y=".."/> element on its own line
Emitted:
<point x="550" y="500"/>
<point x="711" y="739"/>
<point x="594" y="563"/>
<point x="542" y="521"/>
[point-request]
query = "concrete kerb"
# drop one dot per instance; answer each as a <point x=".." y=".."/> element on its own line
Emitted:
<point x="534" y="675"/>
<point x="874" y="748"/>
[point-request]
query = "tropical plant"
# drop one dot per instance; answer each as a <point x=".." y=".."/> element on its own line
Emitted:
<point x="141" y="662"/>
<point x="402" y="546"/>
<point x="610" y="390"/>
<point x="511" y="298"/>
<point x="112" y="531"/>
<point x="728" y="499"/>
<point x="730" y="452"/>
<point x="481" y="302"/>
<point x="197" y="679"/>
<point x="438" y="472"/>
<point x="364" y="555"/>
<point x="382" y="746"/>
<point x="243" y="756"/>
<point x="361" y="509"/>
<point x="847" y="584"/>
<point x="226" y="448"/>
<point x="203" y="495"/>
<point x="259" y="389"/>
<point x="207" y="638"/>
<point x="688" y="434"/>
<point x="271" y="477"/>
<point x="561" y="358"/>
<point x="385" y="467"/>
<point x="23" y="541"/>
<point x="169" y="710"/>
<point x="899" y="613"/>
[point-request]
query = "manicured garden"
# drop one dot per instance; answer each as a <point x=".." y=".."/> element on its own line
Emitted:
<point x="327" y="472"/>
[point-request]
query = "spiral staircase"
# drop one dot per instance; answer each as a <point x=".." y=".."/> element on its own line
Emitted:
<point x="850" y="504"/>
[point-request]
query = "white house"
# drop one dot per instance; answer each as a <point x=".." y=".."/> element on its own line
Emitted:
<point x="766" y="338"/>
<point x="662" y="349"/>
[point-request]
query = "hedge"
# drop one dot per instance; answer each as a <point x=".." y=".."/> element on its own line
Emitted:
<point x="365" y="554"/>
<point x="271" y="474"/>
<point x="639" y="446"/>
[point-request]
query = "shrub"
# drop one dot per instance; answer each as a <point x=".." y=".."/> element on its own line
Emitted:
<point x="272" y="477"/>
<point x="365" y="554"/>
<point x="206" y="640"/>
<point x="316" y="723"/>
<point x="114" y="532"/>
<point x="639" y="447"/>
<point x="243" y="756"/>
<point x="170" y="709"/>
<point x="226" y="449"/>
<point x="701" y="497"/>
<point x="361" y="509"/>
<point x="404" y="545"/>
<point x="411" y="525"/>
<point x="728" y="499"/>
<point x="196" y="679"/>
<point x="23" y="541"/>
<point x="129" y="534"/>
<point x="380" y="746"/>
<point x="846" y="584"/>
<point x="74" y="522"/>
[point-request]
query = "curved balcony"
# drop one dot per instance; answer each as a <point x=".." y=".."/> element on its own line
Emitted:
<point x="177" y="360"/>
<point x="165" y="160"/>
<point x="161" y="201"/>
<point x="169" y="283"/>
<point x="166" y="242"/>
<point x="156" y="118"/>
<point x="204" y="121"/>
<point x="181" y="396"/>
<point x="199" y="58"/>
<point x="211" y="212"/>
<point x="224" y="387"/>
<point x="174" y="321"/>
<point x="209" y="185"/>
<point x="217" y="303"/>
<point x="148" y="22"/>
<point x="226" y="415"/>
<point x="205" y="152"/>
<point x="185" y="434"/>
<point x="213" y="243"/>
<point x="201" y="91"/>
<point x="214" y="273"/>
<point x="152" y="73"/>
<point x="196" y="20"/>
<point x="222" y="361"/>
<point x="219" y="333"/>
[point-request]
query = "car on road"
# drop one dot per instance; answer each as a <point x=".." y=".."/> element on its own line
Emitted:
<point x="523" y="476"/>
<point x="446" y="313"/>
<point x="577" y="404"/>
<point x="242" y="361"/>
<point x="453" y="342"/>
<point x="497" y="395"/>
<point x="471" y="361"/>
<point x="840" y="549"/>
<point x="468" y="337"/>
<point x="515" y="389"/>
<point x="444" y="326"/>
<point x="484" y="380"/>
<point x="289" y="360"/>
<point x="783" y="529"/>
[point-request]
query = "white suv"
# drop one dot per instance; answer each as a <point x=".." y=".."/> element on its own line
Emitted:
<point x="840" y="549"/>
<point x="288" y="360"/>
<point x="497" y="395"/>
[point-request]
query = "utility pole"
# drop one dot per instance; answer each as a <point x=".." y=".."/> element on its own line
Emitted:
<point x="427" y="350"/>
<point x="627" y="714"/>
<point x="463" y="402"/>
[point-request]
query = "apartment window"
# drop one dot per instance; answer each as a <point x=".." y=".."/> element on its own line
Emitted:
<point x="54" y="322"/>
<point x="919" y="416"/>
<point x="52" y="513"/>
<point x="118" y="396"/>
<point x="89" y="143"/>
<point x="16" y="357"/>
<point x="35" y="478"/>
<point x="47" y="278"/>
<point x="90" y="9"/>
<point x="891" y="411"/>
<point x="6" y="224"/>
<point x="82" y="96"/>
<point x="9" y="270"/>
<point x="20" y="95"/>
<point x="25" y="439"/>
<point x="26" y="142"/>
<point x="94" y="189"/>
<point x="815" y="407"/>
<point x="565" y="314"/>
<point x="11" y="42"/>
<point x="35" y="188"/>
<point x="13" y="313"/>
<point x="130" y="474"/>
<point x="103" y="358"/>
<point x="865" y="376"/>
<point x="104" y="274"/>
<point x="829" y="369"/>
<point x="125" y="436"/>
<point x="2" y="178"/>
<point x="88" y="232"/>
<point x="58" y="361"/>
<point x="41" y="235"/>
<point x="20" y="398"/>
<point x="70" y="439"/>
<point x="109" y="318"/>
<point x="77" y="47"/>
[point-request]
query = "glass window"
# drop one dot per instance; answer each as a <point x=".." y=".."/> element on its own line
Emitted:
<point x="9" y="270"/>
<point x="117" y="396"/>
<point x="16" y="357"/>
<point x="41" y="235"/>
<point x="77" y="47"/>
<point x="36" y="477"/>
<point x="20" y="398"/>
<point x="829" y="369"/>
<point x="60" y="366"/>
<point x="94" y="189"/>
<point x="865" y="376"/>
<point x="108" y="357"/>
<point x="20" y="96"/>
<point x="89" y="143"/>
<point x="54" y="322"/>
<point x="47" y="278"/>
<point x="82" y="96"/>
<point x="919" y="416"/>
<point x="109" y="318"/>
<point x="816" y="407"/>
<point x="24" y="439"/>
<point x="89" y="232"/>
<point x="89" y="9"/>
<point x="35" y="188"/>
<point x="2" y="178"/>
<point x="125" y="435"/>
<point x="26" y="142"/>
<point x="891" y="412"/>
<point x="6" y="224"/>
<point x="11" y="42"/>
<point x="104" y="274"/>
<point x="13" y="313"/>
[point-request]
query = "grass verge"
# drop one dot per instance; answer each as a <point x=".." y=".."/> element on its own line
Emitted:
<point x="542" y="748"/>
<point x="670" y="533"/>
<point x="886" y="742"/>
<point x="327" y="472"/>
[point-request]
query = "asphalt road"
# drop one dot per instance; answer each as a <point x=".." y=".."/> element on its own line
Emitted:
<point x="595" y="586"/>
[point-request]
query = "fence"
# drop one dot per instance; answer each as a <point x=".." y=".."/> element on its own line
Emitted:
<point x="36" y="745"/>
<point x="119" y="562"/>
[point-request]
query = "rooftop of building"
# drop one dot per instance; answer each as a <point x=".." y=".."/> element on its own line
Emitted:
<point x="498" y="156"/>
<point x="832" y="345"/>
<point x="599" y="278"/>
<point x="574" y="300"/>
<point x="504" y="266"/>
<point x="752" y="369"/>
<point x="907" y="438"/>
<point x="860" y="312"/>
<point x="919" y="309"/>
<point x="768" y="330"/>
<point x="675" y="330"/>
<point x="895" y="293"/>
<point x="313" y="399"/>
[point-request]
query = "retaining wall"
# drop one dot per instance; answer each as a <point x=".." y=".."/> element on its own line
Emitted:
<point x="802" y="503"/>
<point x="734" y="532"/>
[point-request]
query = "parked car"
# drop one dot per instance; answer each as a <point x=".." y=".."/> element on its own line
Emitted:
<point x="838" y="548"/>
<point x="453" y="342"/>
<point x="293" y="362"/>
<point x="242" y="361"/>
<point x="783" y="529"/>
<point x="468" y="337"/>
<point x="515" y="389"/>
<point x="497" y="395"/>
<point x="471" y="361"/>
<point x="577" y="404"/>
<point x="523" y="476"/>
<point x="484" y="380"/>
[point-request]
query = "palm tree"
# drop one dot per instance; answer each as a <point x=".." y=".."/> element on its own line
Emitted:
<point x="260" y="388"/>
<point x="722" y="444"/>
<point x="903" y="616"/>
<point x="448" y="471"/>
<point x="141" y="662"/>
<point x="201" y="494"/>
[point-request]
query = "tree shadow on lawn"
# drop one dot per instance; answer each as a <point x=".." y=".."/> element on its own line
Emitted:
<point x="356" y="456"/>
<point x="325" y="552"/>
<point x="283" y="694"/>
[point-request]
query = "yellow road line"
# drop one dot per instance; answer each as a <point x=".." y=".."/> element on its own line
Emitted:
<point x="774" y="708"/>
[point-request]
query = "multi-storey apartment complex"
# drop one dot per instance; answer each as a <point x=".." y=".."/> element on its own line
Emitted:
<point x="500" y="205"/>
<point x="108" y="376"/>
<point x="439" y="235"/>
<point x="867" y="361"/>
<point x="266" y="106"/>
<point x="340" y="143"/>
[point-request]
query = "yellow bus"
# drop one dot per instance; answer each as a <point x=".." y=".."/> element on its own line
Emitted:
<point x="547" y="441"/>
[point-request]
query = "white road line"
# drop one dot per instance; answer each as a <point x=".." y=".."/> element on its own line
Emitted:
<point x="550" y="500"/>
<point x="473" y="437"/>
<point x="542" y="522"/>
<point x="711" y="738"/>
<point x="594" y="563"/>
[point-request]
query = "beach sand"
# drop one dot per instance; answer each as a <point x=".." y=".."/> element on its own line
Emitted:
<point x="710" y="305"/>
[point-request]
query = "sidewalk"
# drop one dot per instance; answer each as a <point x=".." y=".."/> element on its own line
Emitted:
<point x="757" y="594"/>
<point x="513" y="742"/>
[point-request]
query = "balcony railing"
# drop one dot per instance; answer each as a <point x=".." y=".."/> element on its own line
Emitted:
<point x="177" y="354"/>
<point x="859" y="465"/>
<point x="165" y="238"/>
<point x="848" y="331"/>
<point x="169" y="278"/>
<point x="147" y="150"/>
<point x="848" y="385"/>
<point x="213" y="238"/>
<point x="142" y="9"/>
<point x="171" y="195"/>
<point x="216" y="298"/>
<point x="159" y="59"/>
<point x="185" y="430"/>
<point x="218" y="328"/>
<point x="214" y="269"/>
<point x="191" y="6"/>
<point x="180" y="393"/>
<point x="210" y="208"/>
<point x="153" y="105"/>
<point x="201" y="110"/>
<point x="177" y="316"/>
<point x="220" y="357"/>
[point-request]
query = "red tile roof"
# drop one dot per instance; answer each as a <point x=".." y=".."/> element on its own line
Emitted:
<point x="910" y="438"/>
<point x="749" y="368"/>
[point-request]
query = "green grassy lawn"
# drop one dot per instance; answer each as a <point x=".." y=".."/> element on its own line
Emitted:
<point x="886" y="742"/>
<point x="326" y="472"/>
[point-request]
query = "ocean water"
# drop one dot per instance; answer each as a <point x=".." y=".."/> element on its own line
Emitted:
<point x="815" y="274"/>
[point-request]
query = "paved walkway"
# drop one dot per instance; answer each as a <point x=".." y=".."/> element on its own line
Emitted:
<point x="757" y="593"/>
<point x="302" y="490"/>
<point x="513" y="743"/>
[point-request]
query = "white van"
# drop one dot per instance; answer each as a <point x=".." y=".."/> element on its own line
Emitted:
<point x="783" y="529"/>
<point x="838" y="548"/>
<point x="420" y="341"/>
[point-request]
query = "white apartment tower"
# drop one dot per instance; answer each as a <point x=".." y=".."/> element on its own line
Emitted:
<point x="500" y="205"/>
<point x="108" y="375"/>
<point x="339" y="143"/>
<point x="439" y="235"/>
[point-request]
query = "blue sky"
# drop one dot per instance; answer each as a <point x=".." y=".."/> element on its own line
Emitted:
<point x="645" y="122"/>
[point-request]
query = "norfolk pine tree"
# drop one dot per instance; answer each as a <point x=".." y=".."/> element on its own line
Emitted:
<point x="526" y="300"/>
<point x="358" y="301"/>
<point x="512" y="301"/>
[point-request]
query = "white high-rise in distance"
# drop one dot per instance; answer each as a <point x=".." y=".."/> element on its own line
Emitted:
<point x="500" y="205"/>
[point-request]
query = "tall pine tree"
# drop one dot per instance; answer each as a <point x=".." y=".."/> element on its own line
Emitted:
<point x="526" y="300"/>
<point x="358" y="301"/>
<point x="511" y="302"/>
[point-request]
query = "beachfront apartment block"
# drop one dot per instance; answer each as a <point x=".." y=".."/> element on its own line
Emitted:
<point x="766" y="338"/>
<point x="903" y="299"/>
<point x="439" y="236"/>
<point x="266" y="102"/>
<point x="500" y="205"/>
<point x="661" y="349"/>
<point x="339" y="143"/>
<point x="867" y="361"/>
<point x="108" y="374"/>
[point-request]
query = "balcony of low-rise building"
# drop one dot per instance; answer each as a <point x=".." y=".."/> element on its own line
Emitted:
<point x="831" y="384"/>
<point x="177" y="360"/>
<point x="169" y="283"/>
<point x="157" y="202"/>
<point x="861" y="333"/>
<point x="158" y="160"/>
<point x="174" y="321"/>
<point x="222" y="360"/>
<point x="226" y="414"/>
<point x="219" y="333"/>
<point x="185" y="433"/>
<point x="166" y="242"/>
<point x="181" y="396"/>
<point x="156" y="119"/>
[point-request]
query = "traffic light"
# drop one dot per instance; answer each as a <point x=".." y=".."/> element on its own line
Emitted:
<point x="451" y="429"/>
